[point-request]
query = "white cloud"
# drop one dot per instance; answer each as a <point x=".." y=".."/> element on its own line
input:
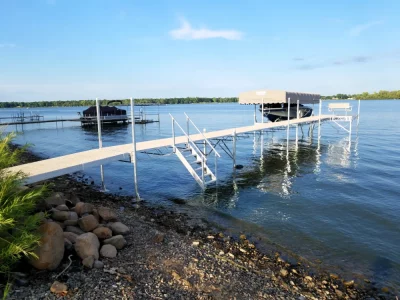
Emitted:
<point x="357" y="30"/>
<point x="187" y="32"/>
<point x="7" y="45"/>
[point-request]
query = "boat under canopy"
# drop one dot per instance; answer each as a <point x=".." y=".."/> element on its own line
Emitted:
<point x="274" y="104"/>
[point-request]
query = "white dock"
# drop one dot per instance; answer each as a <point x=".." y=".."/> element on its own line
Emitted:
<point x="53" y="167"/>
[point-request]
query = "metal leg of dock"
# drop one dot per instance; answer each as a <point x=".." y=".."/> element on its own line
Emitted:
<point x="133" y="158"/>
<point x="234" y="149"/>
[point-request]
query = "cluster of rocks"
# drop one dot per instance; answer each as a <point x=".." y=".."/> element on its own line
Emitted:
<point x="73" y="226"/>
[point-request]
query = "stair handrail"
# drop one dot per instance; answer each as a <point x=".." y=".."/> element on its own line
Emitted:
<point x="189" y="138"/>
<point x="208" y="142"/>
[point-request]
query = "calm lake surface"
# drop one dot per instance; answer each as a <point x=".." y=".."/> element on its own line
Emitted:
<point x="329" y="204"/>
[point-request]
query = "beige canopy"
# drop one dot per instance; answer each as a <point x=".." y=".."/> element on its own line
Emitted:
<point x="275" y="96"/>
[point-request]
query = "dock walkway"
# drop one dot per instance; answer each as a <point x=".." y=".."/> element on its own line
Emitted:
<point x="53" y="167"/>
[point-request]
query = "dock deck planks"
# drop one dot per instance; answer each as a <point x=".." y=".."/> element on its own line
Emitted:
<point x="53" y="167"/>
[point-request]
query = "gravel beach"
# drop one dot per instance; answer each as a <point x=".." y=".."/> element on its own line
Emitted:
<point x="170" y="256"/>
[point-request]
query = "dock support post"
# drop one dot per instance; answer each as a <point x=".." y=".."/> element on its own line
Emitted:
<point x="255" y="115"/>
<point x="351" y="121"/>
<point x="288" y="120"/>
<point x="204" y="143"/>
<point x="262" y="110"/>
<point x="234" y="149"/>
<point x="297" y="126"/>
<point x="103" y="186"/>
<point x="134" y="161"/>
<point x="319" y="121"/>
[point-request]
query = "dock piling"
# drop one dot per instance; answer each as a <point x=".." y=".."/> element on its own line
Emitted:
<point x="134" y="161"/>
<point x="103" y="186"/>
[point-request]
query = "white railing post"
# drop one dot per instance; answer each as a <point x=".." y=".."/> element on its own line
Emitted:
<point x="98" y="113"/>
<point x="173" y="133"/>
<point x="134" y="161"/>
<point x="358" y="112"/>
<point x="204" y="142"/>
<point x="187" y="128"/>
<point x="255" y="115"/>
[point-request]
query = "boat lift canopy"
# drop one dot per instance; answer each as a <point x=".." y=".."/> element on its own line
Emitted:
<point x="277" y="96"/>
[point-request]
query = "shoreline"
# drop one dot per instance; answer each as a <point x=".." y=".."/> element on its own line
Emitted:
<point x="216" y="267"/>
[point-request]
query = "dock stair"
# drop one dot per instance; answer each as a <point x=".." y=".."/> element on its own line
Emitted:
<point x="194" y="159"/>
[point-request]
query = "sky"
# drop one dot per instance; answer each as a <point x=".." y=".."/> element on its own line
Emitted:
<point x="83" y="49"/>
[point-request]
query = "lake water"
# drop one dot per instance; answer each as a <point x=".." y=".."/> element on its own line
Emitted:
<point x="331" y="203"/>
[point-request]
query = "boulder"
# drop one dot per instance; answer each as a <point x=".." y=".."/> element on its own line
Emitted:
<point x="74" y="229"/>
<point x="108" y="251"/>
<point x="59" y="223"/>
<point x="60" y="215"/>
<point x="72" y="199"/>
<point x="95" y="213"/>
<point x="54" y="200"/>
<point x="62" y="207"/>
<point x="107" y="214"/>
<point x="98" y="264"/>
<point x="117" y="241"/>
<point x="83" y="208"/>
<point x="87" y="244"/>
<point x="119" y="228"/>
<point x="50" y="252"/>
<point x="70" y="236"/>
<point x="71" y="223"/>
<point x="73" y="215"/>
<point x="88" y="223"/>
<point x="88" y="261"/>
<point x="103" y="232"/>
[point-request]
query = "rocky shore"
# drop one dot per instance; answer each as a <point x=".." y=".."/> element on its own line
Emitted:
<point x="163" y="255"/>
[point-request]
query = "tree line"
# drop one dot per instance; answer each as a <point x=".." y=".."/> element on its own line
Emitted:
<point x="161" y="101"/>
<point x="187" y="100"/>
<point x="367" y="96"/>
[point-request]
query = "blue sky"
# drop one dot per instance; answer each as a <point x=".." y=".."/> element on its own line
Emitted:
<point x="70" y="49"/>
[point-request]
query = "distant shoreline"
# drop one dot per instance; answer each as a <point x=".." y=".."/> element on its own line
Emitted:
<point x="139" y="103"/>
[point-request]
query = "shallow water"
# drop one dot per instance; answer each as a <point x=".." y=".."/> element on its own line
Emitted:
<point x="328" y="203"/>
